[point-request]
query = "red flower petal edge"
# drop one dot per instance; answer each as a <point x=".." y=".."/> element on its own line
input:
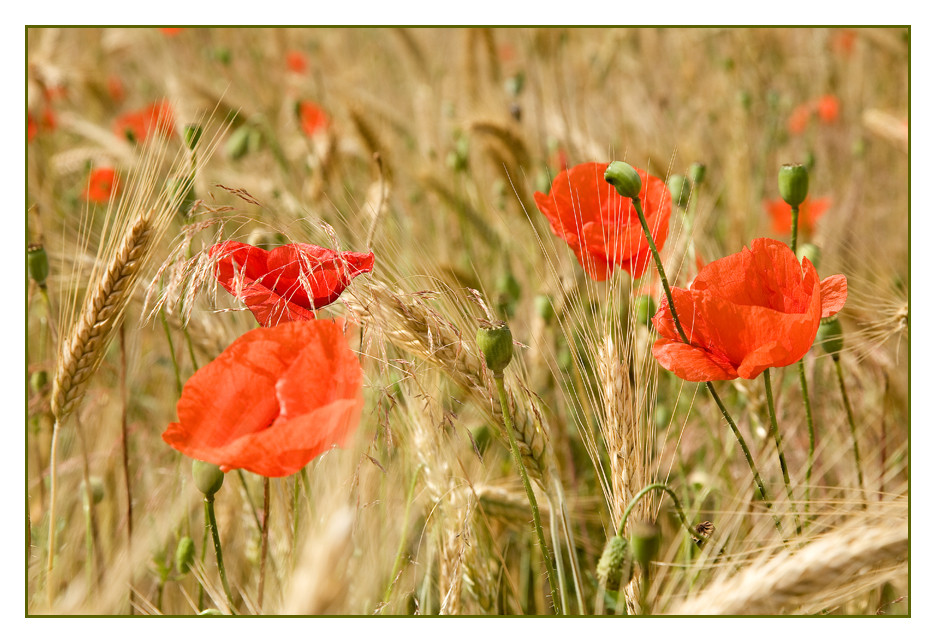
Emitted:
<point x="272" y="401"/>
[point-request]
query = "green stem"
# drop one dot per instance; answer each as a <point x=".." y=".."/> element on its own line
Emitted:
<point x="398" y="562"/>
<point x="696" y="536"/>
<point x="851" y="424"/>
<point x="212" y="524"/>
<point x="175" y="364"/>
<point x="711" y="388"/>
<point x="204" y="550"/>
<point x="794" y="226"/>
<point x="518" y="461"/>
<point x="775" y="431"/>
<point x="264" y="541"/>
<point x="812" y="433"/>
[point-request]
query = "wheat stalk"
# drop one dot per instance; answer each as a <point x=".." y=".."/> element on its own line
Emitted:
<point x="839" y="564"/>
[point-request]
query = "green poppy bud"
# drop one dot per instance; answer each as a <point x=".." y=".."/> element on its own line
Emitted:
<point x="97" y="490"/>
<point x="184" y="554"/>
<point x="236" y="145"/>
<point x="794" y="184"/>
<point x="645" y="543"/>
<point x="192" y="135"/>
<point x="697" y="173"/>
<point x="38" y="381"/>
<point x="208" y="477"/>
<point x="829" y="337"/>
<point x="38" y="263"/>
<point x="809" y="251"/>
<point x="616" y="566"/>
<point x="679" y="187"/>
<point x="644" y="309"/>
<point x="544" y="308"/>
<point x="624" y="178"/>
<point x="496" y="343"/>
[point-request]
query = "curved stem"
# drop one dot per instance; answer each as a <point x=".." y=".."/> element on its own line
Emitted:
<point x="775" y="431"/>
<point x="518" y="461"/>
<point x="696" y="536"/>
<point x="851" y="424"/>
<point x="711" y="389"/>
<point x="212" y="524"/>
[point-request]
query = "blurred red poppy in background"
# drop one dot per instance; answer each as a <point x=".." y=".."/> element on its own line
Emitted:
<point x="171" y="31"/>
<point x="745" y="313"/>
<point x="828" y="108"/>
<point x="289" y="282"/>
<point x="102" y="185"/>
<point x="799" y="119"/>
<point x="312" y="118"/>
<point x="602" y="227"/>
<point x="272" y="401"/>
<point x="297" y="62"/>
<point x="809" y="213"/>
<point x="139" y="125"/>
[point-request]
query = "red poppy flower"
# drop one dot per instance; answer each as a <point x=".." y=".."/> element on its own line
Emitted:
<point x="602" y="227"/>
<point x="287" y="283"/>
<point x="828" y="108"/>
<point x="272" y="401"/>
<point x="745" y="313"/>
<point x="102" y="185"/>
<point x="137" y="126"/>
<point x="799" y="119"/>
<point x="297" y="62"/>
<point x="809" y="213"/>
<point x="312" y="118"/>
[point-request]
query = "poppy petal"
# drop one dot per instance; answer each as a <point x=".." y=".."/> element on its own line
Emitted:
<point x="690" y="363"/>
<point x="834" y="292"/>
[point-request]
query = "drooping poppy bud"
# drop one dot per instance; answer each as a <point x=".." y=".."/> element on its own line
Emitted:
<point x="616" y="565"/>
<point x="829" y="337"/>
<point x="496" y="344"/>
<point x="208" y="477"/>
<point x="679" y="187"/>
<point x="38" y="262"/>
<point x="184" y="554"/>
<point x="794" y="183"/>
<point x="624" y="179"/>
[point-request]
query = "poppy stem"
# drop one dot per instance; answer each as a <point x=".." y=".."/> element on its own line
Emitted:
<point x="775" y="431"/>
<point x="696" y="536"/>
<point x="518" y="461"/>
<point x="175" y="363"/>
<point x="812" y="433"/>
<point x="711" y="388"/>
<point x="264" y="541"/>
<point x="398" y="562"/>
<point x="794" y="226"/>
<point x="211" y="524"/>
<point x="851" y="424"/>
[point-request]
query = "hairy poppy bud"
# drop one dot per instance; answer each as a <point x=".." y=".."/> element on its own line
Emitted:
<point x="38" y="262"/>
<point x="829" y="337"/>
<point x="184" y="554"/>
<point x="645" y="543"/>
<point x="97" y="490"/>
<point x="208" y="477"/>
<point x="38" y="381"/>
<point x="679" y="188"/>
<point x="697" y="173"/>
<point x="192" y="135"/>
<point x="794" y="184"/>
<point x="496" y="343"/>
<point x="616" y="565"/>
<point x="644" y="309"/>
<point x="809" y="251"/>
<point x="624" y="178"/>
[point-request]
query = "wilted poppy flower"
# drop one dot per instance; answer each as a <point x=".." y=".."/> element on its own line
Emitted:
<point x="272" y="401"/>
<point x="745" y="313"/>
<point x="809" y="213"/>
<point x="602" y="227"/>
<point x="102" y="185"/>
<point x="828" y="108"/>
<point x="137" y="126"/>
<point x="287" y="283"/>
<point x="297" y="62"/>
<point x="312" y="118"/>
